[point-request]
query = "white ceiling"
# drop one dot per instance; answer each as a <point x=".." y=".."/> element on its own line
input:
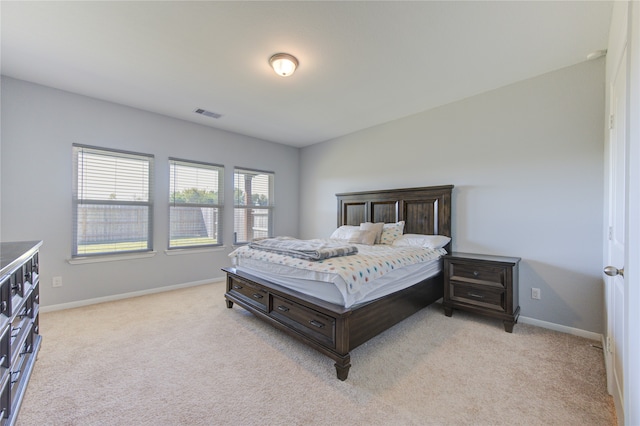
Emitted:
<point x="361" y="63"/>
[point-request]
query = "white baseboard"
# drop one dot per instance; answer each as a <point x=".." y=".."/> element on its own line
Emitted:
<point x="121" y="296"/>
<point x="562" y="328"/>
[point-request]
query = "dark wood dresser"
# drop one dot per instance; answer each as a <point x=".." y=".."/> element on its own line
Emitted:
<point x="482" y="284"/>
<point x="19" y="333"/>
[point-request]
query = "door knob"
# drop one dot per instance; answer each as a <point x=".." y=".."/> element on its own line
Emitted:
<point x="612" y="271"/>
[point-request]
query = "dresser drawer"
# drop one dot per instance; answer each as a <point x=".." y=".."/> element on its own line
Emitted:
<point x="31" y="305"/>
<point x="5" y="397"/>
<point x="21" y="332"/>
<point x="36" y="325"/>
<point x="35" y="264"/>
<point x="251" y="293"/>
<point x="488" y="275"/>
<point x="481" y="296"/>
<point x="5" y="297"/>
<point x="310" y="322"/>
<point x="35" y="295"/>
<point x="5" y="351"/>
<point x="17" y="282"/>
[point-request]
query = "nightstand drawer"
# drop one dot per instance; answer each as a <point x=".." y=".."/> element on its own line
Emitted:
<point x="477" y="274"/>
<point x="490" y="298"/>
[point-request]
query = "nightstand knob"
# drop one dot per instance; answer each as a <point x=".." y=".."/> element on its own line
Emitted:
<point x="475" y="273"/>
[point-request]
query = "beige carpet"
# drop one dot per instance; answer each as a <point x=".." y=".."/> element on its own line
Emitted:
<point x="183" y="358"/>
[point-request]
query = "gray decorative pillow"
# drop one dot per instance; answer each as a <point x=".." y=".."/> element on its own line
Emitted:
<point x="363" y="237"/>
<point x="377" y="227"/>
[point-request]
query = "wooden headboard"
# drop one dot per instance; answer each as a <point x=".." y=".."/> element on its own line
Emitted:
<point x="425" y="210"/>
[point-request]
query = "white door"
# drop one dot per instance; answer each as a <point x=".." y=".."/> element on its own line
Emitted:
<point x="616" y="293"/>
<point x="632" y="279"/>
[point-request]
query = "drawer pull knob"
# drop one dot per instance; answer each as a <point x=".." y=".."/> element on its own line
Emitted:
<point x="476" y="295"/>
<point x="316" y="324"/>
<point x="283" y="308"/>
<point x="257" y="296"/>
<point x="475" y="273"/>
<point x="237" y="287"/>
<point x="27" y="349"/>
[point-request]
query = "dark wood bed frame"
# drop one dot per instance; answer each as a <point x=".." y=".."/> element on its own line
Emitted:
<point x="332" y="329"/>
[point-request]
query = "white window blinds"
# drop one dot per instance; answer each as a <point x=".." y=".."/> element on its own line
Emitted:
<point x="195" y="203"/>
<point x="112" y="201"/>
<point x="253" y="204"/>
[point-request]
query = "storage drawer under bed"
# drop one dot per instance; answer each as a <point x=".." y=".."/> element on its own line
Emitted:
<point x="256" y="296"/>
<point x="308" y="321"/>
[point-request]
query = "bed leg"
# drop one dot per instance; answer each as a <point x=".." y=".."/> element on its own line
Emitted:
<point x="342" y="367"/>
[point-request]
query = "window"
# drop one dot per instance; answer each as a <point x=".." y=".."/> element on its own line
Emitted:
<point x="253" y="205"/>
<point x="112" y="201"/>
<point x="196" y="199"/>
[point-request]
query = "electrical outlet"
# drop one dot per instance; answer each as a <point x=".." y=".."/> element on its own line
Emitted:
<point x="56" y="282"/>
<point x="535" y="293"/>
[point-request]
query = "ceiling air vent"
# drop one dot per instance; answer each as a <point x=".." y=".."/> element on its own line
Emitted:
<point x="207" y="113"/>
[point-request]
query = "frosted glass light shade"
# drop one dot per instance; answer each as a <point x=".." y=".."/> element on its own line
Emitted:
<point x="283" y="64"/>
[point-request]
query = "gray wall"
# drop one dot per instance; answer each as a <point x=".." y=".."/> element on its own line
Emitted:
<point x="527" y="164"/>
<point x="39" y="124"/>
<point x="526" y="160"/>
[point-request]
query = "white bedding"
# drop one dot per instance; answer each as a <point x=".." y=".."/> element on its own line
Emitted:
<point x="374" y="272"/>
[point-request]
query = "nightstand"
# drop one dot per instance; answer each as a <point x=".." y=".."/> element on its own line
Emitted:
<point x="482" y="284"/>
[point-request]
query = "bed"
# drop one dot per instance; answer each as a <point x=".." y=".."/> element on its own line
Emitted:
<point x="332" y="328"/>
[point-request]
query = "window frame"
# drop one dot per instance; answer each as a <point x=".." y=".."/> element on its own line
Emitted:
<point x="219" y="206"/>
<point x="78" y="200"/>
<point x="270" y="207"/>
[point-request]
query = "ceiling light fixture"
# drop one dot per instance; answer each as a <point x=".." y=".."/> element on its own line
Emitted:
<point x="283" y="64"/>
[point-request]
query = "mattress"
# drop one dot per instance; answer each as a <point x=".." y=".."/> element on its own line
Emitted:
<point x="374" y="272"/>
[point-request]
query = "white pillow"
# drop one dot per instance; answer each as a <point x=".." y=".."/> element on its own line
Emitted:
<point x="363" y="237"/>
<point x="367" y="226"/>
<point x="391" y="232"/>
<point x="420" y="240"/>
<point x="344" y="232"/>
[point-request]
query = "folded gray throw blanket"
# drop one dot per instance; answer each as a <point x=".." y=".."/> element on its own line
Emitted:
<point x="304" y="249"/>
